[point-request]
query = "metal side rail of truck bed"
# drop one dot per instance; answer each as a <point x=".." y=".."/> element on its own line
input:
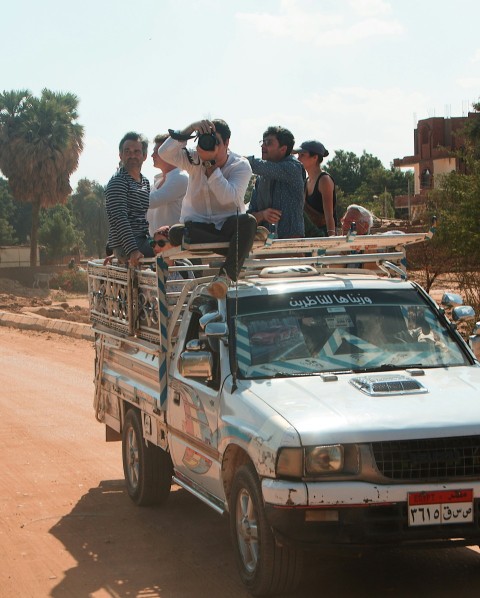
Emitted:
<point x="127" y="300"/>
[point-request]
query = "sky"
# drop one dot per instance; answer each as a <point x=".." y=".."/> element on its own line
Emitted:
<point x="355" y="74"/>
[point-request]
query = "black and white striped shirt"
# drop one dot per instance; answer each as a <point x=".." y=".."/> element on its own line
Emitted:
<point x="127" y="203"/>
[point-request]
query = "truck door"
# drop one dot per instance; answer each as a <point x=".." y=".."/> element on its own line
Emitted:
<point x="193" y="405"/>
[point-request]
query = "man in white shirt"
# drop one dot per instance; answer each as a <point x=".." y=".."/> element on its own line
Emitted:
<point x="213" y="209"/>
<point x="167" y="192"/>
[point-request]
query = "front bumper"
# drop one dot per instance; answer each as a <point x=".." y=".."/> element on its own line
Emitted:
<point x="360" y="514"/>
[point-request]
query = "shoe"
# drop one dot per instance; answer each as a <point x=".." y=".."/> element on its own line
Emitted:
<point x="218" y="287"/>
<point x="261" y="234"/>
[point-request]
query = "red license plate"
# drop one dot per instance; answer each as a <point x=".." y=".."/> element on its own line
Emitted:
<point x="440" y="507"/>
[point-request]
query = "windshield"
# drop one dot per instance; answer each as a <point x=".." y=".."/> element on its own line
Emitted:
<point x="336" y="331"/>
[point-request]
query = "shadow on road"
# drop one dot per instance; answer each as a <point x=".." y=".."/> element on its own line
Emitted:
<point x="182" y="549"/>
<point x="174" y="550"/>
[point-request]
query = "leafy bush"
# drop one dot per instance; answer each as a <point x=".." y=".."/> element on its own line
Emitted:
<point x="70" y="280"/>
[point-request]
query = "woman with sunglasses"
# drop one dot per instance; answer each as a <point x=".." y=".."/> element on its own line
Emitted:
<point x="320" y="193"/>
<point x="160" y="243"/>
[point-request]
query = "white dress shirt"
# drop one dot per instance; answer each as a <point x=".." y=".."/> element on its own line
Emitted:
<point x="166" y="196"/>
<point x="212" y="199"/>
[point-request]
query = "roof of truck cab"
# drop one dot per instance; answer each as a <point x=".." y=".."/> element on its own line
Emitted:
<point x="325" y="282"/>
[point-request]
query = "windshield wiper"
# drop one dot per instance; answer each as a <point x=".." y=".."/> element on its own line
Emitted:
<point x="388" y="367"/>
<point x="303" y="374"/>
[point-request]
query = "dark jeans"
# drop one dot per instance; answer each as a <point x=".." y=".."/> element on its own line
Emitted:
<point x="143" y="244"/>
<point x="242" y="227"/>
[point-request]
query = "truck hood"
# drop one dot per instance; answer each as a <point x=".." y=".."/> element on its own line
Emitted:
<point x="337" y="411"/>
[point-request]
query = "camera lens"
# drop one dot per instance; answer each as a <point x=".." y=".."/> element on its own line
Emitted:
<point x="207" y="141"/>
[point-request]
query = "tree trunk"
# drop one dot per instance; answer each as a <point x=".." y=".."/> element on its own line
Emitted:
<point x="34" y="232"/>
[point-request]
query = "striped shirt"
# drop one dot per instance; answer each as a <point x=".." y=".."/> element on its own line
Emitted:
<point x="127" y="203"/>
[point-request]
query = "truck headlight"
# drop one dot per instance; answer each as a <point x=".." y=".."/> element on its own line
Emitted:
<point x="323" y="459"/>
<point x="312" y="460"/>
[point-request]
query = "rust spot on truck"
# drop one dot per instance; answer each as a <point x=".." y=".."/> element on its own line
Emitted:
<point x="290" y="502"/>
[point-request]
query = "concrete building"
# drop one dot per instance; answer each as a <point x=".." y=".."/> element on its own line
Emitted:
<point x="437" y="142"/>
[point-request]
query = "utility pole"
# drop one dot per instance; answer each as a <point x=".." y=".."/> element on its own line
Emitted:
<point x="408" y="198"/>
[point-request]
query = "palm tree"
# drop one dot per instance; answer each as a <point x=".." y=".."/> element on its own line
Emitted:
<point x="40" y="144"/>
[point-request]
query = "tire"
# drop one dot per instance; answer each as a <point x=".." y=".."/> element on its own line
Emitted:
<point x="265" y="567"/>
<point x="147" y="468"/>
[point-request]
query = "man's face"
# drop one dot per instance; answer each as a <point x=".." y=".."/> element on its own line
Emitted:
<point x="354" y="215"/>
<point x="132" y="156"/>
<point x="272" y="150"/>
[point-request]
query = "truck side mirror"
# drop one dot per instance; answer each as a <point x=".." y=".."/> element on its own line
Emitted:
<point x="215" y="331"/>
<point x="211" y="316"/>
<point x="196" y="364"/>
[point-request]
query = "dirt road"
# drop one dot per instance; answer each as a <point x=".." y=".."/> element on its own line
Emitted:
<point x="68" y="529"/>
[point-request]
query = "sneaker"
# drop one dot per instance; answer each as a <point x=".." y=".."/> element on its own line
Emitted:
<point x="218" y="287"/>
<point x="261" y="234"/>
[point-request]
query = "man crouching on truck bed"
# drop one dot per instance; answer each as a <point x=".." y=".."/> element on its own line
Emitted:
<point x="213" y="209"/>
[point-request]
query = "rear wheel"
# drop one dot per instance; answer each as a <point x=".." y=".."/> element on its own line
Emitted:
<point x="147" y="468"/>
<point x="265" y="567"/>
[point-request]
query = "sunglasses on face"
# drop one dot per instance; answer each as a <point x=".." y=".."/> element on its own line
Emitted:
<point x="266" y="142"/>
<point x="160" y="243"/>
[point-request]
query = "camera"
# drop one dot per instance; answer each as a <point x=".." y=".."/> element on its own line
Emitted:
<point x="207" y="141"/>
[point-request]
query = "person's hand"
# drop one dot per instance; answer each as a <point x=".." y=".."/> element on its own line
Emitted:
<point x="108" y="260"/>
<point x="134" y="258"/>
<point x="271" y="215"/>
<point x="200" y="126"/>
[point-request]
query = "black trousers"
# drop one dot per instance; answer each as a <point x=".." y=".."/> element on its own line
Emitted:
<point x="239" y="231"/>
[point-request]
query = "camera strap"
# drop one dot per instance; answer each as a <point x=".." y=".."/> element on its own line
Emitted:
<point x="189" y="157"/>
<point x="177" y="136"/>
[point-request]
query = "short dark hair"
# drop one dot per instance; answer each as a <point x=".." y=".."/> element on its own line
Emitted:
<point x="161" y="138"/>
<point x="284" y="137"/>
<point x="222" y="128"/>
<point x="133" y="136"/>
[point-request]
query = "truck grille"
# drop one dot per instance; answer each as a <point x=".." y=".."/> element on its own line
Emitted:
<point x="429" y="459"/>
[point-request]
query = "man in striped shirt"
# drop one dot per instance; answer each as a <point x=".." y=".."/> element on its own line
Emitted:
<point x="127" y="199"/>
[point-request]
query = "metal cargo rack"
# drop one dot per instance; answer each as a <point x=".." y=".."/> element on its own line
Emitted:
<point x="142" y="303"/>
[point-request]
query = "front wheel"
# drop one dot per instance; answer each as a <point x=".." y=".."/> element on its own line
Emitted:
<point x="265" y="567"/>
<point x="147" y="468"/>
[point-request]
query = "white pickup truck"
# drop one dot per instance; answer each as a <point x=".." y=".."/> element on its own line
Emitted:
<point x="319" y="404"/>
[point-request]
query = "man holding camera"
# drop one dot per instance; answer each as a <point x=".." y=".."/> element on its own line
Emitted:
<point x="213" y="210"/>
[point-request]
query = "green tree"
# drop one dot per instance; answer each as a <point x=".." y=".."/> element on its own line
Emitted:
<point x="40" y="144"/>
<point x="456" y="245"/>
<point x="88" y="209"/>
<point x="57" y="233"/>
<point x="7" y="209"/>
<point x="345" y="169"/>
<point x="364" y="180"/>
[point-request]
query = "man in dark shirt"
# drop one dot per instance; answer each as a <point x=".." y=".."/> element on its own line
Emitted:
<point x="127" y="200"/>
<point x="277" y="200"/>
